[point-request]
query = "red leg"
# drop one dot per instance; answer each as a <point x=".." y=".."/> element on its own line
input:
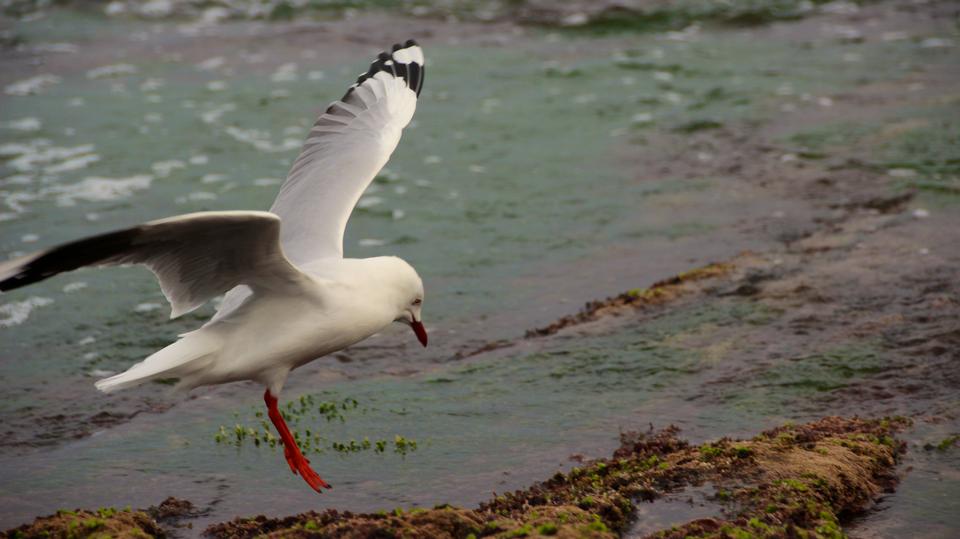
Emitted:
<point x="298" y="463"/>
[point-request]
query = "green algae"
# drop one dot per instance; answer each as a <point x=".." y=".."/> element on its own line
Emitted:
<point x="304" y="412"/>
<point x="103" y="523"/>
<point x="915" y="148"/>
<point x="932" y="153"/>
<point x="775" y="489"/>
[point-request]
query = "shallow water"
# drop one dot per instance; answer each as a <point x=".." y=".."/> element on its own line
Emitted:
<point x="512" y="194"/>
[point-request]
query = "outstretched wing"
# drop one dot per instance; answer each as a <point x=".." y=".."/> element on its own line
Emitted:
<point x="344" y="151"/>
<point x="195" y="257"/>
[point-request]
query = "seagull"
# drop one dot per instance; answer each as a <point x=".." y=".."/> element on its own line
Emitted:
<point x="290" y="295"/>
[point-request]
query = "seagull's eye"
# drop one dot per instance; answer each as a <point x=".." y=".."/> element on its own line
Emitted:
<point x="417" y="301"/>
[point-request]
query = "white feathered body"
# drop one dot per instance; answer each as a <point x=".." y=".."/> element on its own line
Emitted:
<point x="339" y="302"/>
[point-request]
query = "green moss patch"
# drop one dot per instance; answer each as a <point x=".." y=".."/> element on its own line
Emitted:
<point x="656" y="294"/>
<point x="792" y="481"/>
<point x="81" y="524"/>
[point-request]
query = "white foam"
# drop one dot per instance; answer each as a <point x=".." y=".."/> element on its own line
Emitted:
<point x="33" y="85"/>
<point x="97" y="189"/>
<point x="112" y="70"/>
<point x="371" y="242"/>
<point x="369" y="202"/>
<point x="18" y="148"/>
<point x="285" y="73"/>
<point x="213" y="115"/>
<point x="213" y="178"/>
<point x="16" y="313"/>
<point x="147" y="307"/>
<point x="24" y="124"/>
<point x="74" y="287"/>
<point x="213" y="15"/>
<point x="115" y="8"/>
<point x="163" y="168"/>
<point x="201" y="195"/>
<point x="72" y="164"/>
<point x="936" y="43"/>
<point x="261" y="139"/>
<point x="156" y="8"/>
<point x="39" y="152"/>
<point x="13" y="199"/>
<point x="211" y="63"/>
<point x="151" y="84"/>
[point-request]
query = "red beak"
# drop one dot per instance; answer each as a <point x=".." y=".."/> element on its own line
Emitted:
<point x="420" y="331"/>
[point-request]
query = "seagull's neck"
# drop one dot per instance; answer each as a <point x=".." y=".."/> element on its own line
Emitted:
<point x="384" y="279"/>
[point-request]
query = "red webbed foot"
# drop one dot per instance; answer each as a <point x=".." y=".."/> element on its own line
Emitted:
<point x="291" y="452"/>
<point x="311" y="477"/>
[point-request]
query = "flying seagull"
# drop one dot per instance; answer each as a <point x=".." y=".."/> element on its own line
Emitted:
<point x="291" y="296"/>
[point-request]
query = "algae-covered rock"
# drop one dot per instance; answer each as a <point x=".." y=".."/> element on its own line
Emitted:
<point x="792" y="481"/>
<point x="80" y="524"/>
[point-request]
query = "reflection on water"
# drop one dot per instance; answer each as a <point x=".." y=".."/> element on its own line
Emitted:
<point x="676" y="508"/>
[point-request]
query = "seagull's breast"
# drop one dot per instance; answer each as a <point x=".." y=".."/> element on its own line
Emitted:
<point x="277" y="332"/>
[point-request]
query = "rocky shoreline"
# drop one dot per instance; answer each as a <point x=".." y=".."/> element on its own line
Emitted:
<point x="791" y="481"/>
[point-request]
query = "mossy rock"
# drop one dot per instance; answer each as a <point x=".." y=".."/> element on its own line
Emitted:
<point x="792" y="481"/>
<point x="82" y="524"/>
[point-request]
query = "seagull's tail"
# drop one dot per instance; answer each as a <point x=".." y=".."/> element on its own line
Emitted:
<point x="183" y="357"/>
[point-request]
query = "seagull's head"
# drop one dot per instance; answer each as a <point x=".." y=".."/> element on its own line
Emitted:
<point x="409" y="288"/>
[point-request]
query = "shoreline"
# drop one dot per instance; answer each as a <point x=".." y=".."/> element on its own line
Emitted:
<point x="784" y="482"/>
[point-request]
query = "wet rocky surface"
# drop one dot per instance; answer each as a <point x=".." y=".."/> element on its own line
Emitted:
<point x="785" y="482"/>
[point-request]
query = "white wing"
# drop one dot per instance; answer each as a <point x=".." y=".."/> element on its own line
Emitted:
<point x="195" y="256"/>
<point x="344" y="151"/>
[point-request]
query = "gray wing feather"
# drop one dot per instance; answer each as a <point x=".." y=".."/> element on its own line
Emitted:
<point x="195" y="257"/>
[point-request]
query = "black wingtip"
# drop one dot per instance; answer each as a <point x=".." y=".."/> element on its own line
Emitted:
<point x="411" y="72"/>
